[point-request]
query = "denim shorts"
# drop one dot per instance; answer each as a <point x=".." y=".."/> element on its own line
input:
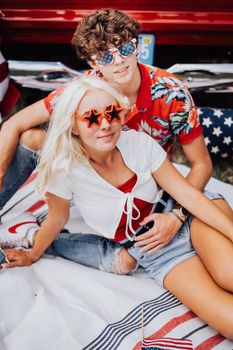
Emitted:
<point x="20" y="168"/>
<point x="159" y="263"/>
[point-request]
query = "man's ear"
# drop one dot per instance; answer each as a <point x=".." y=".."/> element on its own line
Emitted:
<point x="94" y="66"/>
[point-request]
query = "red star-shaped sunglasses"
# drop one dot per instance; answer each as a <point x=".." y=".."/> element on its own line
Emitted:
<point x="111" y="114"/>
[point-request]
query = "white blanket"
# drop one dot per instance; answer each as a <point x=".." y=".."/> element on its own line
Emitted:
<point x="56" y="304"/>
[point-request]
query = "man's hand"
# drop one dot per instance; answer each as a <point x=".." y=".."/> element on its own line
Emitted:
<point x="164" y="230"/>
<point x="18" y="258"/>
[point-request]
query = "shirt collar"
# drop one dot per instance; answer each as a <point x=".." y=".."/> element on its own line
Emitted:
<point x="144" y="94"/>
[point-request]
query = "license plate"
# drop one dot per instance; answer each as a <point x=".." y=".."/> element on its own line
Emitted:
<point x="146" y="48"/>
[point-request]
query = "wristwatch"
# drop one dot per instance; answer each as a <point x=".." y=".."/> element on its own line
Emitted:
<point x="181" y="212"/>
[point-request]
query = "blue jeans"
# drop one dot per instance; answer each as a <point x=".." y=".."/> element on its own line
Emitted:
<point x="87" y="249"/>
<point x="20" y="168"/>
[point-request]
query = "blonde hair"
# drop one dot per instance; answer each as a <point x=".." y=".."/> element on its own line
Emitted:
<point x="61" y="148"/>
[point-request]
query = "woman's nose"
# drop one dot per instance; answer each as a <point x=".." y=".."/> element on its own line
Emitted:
<point x="104" y="124"/>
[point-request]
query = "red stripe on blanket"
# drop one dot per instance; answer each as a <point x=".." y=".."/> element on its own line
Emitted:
<point x="36" y="206"/>
<point x="210" y="342"/>
<point x="29" y="180"/>
<point x="168" y="327"/>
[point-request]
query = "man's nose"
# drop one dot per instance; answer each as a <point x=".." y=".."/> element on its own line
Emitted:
<point x="118" y="59"/>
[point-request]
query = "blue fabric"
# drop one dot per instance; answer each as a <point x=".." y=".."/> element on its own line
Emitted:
<point x="86" y="249"/>
<point x="20" y="168"/>
<point x="218" y="131"/>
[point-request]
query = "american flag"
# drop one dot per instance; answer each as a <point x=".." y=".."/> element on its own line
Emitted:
<point x="218" y="131"/>
<point x="167" y="344"/>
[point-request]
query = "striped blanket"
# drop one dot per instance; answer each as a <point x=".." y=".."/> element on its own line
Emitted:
<point x="58" y="304"/>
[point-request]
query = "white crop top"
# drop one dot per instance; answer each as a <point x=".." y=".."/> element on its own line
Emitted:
<point x="100" y="204"/>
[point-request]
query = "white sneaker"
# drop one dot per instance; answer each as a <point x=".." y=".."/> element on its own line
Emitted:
<point x="18" y="232"/>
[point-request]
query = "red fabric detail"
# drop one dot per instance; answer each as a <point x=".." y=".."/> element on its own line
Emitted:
<point x="36" y="206"/>
<point x="13" y="229"/>
<point x="192" y="135"/>
<point x="143" y="206"/>
<point x="127" y="186"/>
<point x="144" y="94"/>
<point x="10" y="99"/>
<point x="3" y="71"/>
<point x="50" y="99"/>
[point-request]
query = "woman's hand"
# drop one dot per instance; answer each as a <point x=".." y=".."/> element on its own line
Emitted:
<point x="164" y="230"/>
<point x="18" y="258"/>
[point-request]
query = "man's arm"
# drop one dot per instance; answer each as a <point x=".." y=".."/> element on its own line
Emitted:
<point x="200" y="162"/>
<point x="29" y="117"/>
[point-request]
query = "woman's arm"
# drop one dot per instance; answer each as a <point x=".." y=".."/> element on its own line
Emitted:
<point x="193" y="200"/>
<point x="58" y="215"/>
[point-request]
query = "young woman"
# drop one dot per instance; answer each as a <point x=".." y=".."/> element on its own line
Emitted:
<point x="113" y="177"/>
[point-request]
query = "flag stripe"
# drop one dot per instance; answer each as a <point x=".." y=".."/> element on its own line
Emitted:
<point x="168" y="343"/>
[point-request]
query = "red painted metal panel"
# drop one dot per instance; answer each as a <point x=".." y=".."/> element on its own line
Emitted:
<point x="173" y="22"/>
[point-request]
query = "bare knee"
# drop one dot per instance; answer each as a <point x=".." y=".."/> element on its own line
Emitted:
<point x="227" y="327"/>
<point x="33" y="138"/>
<point x="223" y="276"/>
<point x="124" y="263"/>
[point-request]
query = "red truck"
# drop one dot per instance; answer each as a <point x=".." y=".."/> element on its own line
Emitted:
<point x="184" y="31"/>
<point x="173" y="31"/>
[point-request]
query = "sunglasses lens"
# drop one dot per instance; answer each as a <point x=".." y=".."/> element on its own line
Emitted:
<point x="105" y="58"/>
<point x="127" y="49"/>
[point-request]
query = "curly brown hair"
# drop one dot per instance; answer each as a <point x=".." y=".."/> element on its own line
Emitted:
<point x="104" y="27"/>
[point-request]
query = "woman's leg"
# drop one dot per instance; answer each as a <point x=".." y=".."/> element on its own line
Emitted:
<point x="214" y="249"/>
<point x="93" y="251"/>
<point x="191" y="283"/>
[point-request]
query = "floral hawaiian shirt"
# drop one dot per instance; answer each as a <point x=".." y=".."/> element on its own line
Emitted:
<point x="164" y="108"/>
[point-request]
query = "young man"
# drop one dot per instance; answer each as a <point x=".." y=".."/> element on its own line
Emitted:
<point x="160" y="106"/>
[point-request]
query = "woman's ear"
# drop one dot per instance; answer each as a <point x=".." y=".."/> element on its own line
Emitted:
<point x="75" y="131"/>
